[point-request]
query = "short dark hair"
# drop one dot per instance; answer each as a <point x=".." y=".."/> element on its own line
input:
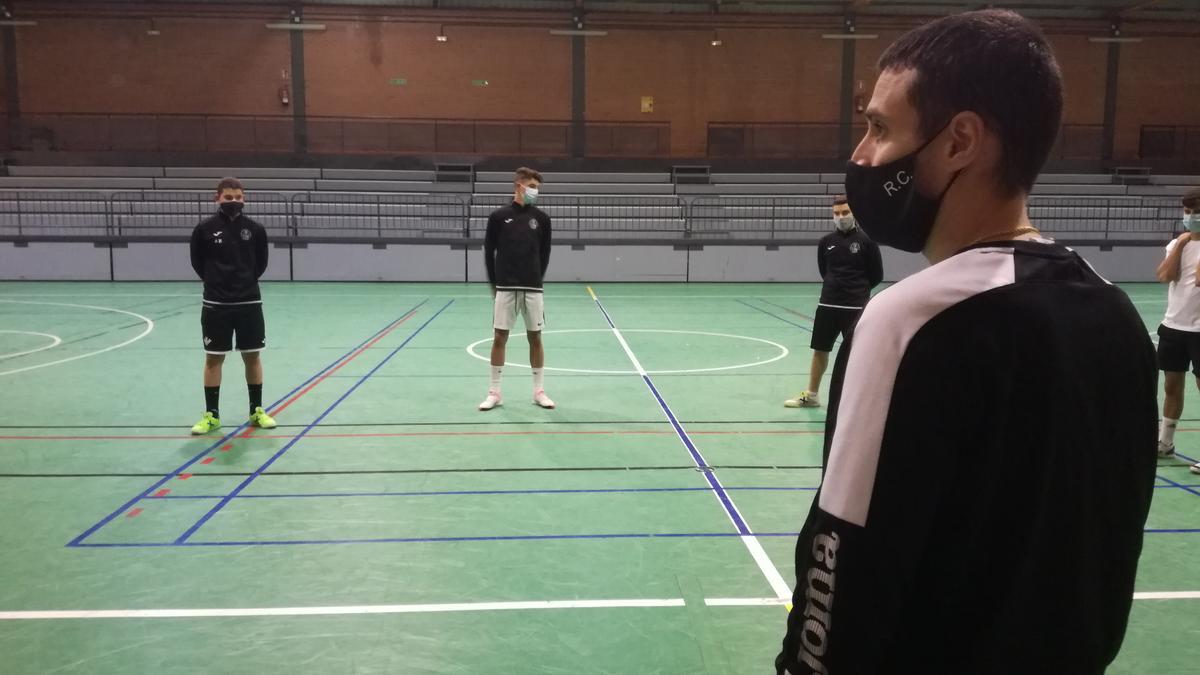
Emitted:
<point x="997" y="64"/>
<point x="839" y="200"/>
<point x="525" y="173"/>
<point x="1191" y="199"/>
<point x="229" y="184"/>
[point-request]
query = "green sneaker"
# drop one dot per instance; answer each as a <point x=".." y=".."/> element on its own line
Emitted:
<point x="261" y="419"/>
<point x="207" y="424"/>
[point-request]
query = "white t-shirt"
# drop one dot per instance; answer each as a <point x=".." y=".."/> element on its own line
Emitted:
<point x="1183" y="296"/>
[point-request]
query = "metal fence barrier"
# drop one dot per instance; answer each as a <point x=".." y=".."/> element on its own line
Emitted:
<point x="153" y="215"/>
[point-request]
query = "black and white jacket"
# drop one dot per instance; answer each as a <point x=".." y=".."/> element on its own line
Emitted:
<point x="984" y="498"/>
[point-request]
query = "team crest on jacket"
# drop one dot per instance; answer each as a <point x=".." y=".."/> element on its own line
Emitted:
<point x="854" y="247"/>
<point x="533" y="223"/>
<point x="245" y="235"/>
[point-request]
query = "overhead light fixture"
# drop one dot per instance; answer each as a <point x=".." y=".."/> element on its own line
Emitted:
<point x="153" y="29"/>
<point x="441" y="36"/>
<point x="850" y="36"/>
<point x="296" y="23"/>
<point x="716" y="40"/>
<point x="1114" y="35"/>
<point x="579" y="33"/>
<point x="16" y="22"/>
<point x="295" y="26"/>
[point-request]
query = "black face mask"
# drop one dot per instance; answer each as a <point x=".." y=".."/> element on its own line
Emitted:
<point x="886" y="203"/>
<point x="232" y="210"/>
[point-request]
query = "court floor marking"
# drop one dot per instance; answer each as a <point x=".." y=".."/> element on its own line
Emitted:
<point x="783" y="352"/>
<point x="78" y="541"/>
<point x="54" y="342"/>
<point x="183" y="538"/>
<point x="149" y="327"/>
<point x="772" y="575"/>
<point x="342" y="610"/>
<point x="520" y="605"/>
<point x="776" y="602"/>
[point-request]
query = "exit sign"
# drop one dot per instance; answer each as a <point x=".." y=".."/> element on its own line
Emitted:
<point x="479" y="83"/>
<point x="399" y="82"/>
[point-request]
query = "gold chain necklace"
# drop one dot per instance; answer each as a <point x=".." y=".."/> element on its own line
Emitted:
<point x="1009" y="234"/>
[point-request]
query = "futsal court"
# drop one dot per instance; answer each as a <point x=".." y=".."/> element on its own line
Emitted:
<point x="647" y="525"/>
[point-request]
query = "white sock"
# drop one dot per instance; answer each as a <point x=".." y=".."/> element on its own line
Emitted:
<point x="495" y="384"/>
<point x="1166" y="434"/>
<point x="538" y="379"/>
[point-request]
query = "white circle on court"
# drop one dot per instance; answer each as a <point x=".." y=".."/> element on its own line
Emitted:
<point x="783" y="352"/>
<point x="54" y="342"/>
<point x="149" y="327"/>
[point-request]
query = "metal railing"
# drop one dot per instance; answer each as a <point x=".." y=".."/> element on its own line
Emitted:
<point x="804" y="140"/>
<point x="1169" y="142"/>
<point x="153" y="215"/>
<point x="1115" y="219"/>
<point x="91" y="132"/>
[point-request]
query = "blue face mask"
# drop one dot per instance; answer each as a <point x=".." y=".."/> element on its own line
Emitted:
<point x="1192" y="222"/>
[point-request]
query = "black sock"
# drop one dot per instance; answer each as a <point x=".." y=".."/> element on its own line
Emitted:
<point x="212" y="397"/>
<point x="255" y="396"/>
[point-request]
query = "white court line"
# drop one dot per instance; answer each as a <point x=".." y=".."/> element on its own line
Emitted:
<point x="768" y="569"/>
<point x="434" y="608"/>
<point x="335" y="611"/>
<point x="54" y="342"/>
<point x="783" y="352"/>
<point x="149" y="327"/>
<point x="746" y="602"/>
<point x="1168" y="595"/>
<point x="775" y="602"/>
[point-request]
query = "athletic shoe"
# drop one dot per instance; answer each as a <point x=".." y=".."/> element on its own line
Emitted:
<point x="493" y="399"/>
<point x="540" y="398"/>
<point x="805" y="399"/>
<point x="259" y="418"/>
<point x="207" y="424"/>
<point x="1165" y="450"/>
<point x="1196" y="468"/>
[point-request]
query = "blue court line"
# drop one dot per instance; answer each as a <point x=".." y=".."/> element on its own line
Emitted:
<point x="476" y="493"/>
<point x="759" y="309"/>
<point x="225" y="439"/>
<point x="701" y="463"/>
<point x="501" y="538"/>
<point x="290" y="444"/>
<point x="1179" y="485"/>
<point x="473" y="493"/>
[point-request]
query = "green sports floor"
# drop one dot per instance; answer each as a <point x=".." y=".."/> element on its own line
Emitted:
<point x="645" y="526"/>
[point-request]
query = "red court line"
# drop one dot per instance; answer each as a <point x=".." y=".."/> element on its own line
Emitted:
<point x="249" y="432"/>
<point x="207" y="460"/>
<point x="133" y="513"/>
<point x="346" y="360"/>
<point x="790" y="310"/>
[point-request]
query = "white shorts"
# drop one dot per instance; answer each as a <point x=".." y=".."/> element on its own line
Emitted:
<point x="509" y="304"/>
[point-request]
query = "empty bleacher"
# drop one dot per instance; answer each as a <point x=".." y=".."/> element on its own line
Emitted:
<point x="354" y="204"/>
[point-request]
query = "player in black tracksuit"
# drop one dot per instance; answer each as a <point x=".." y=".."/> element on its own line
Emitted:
<point x="982" y="507"/>
<point x="850" y="267"/>
<point x="229" y="252"/>
<point x="516" y="251"/>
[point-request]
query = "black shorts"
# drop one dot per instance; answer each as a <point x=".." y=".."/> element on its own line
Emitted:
<point x="1177" y="349"/>
<point x="831" y="322"/>
<point x="219" y="323"/>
